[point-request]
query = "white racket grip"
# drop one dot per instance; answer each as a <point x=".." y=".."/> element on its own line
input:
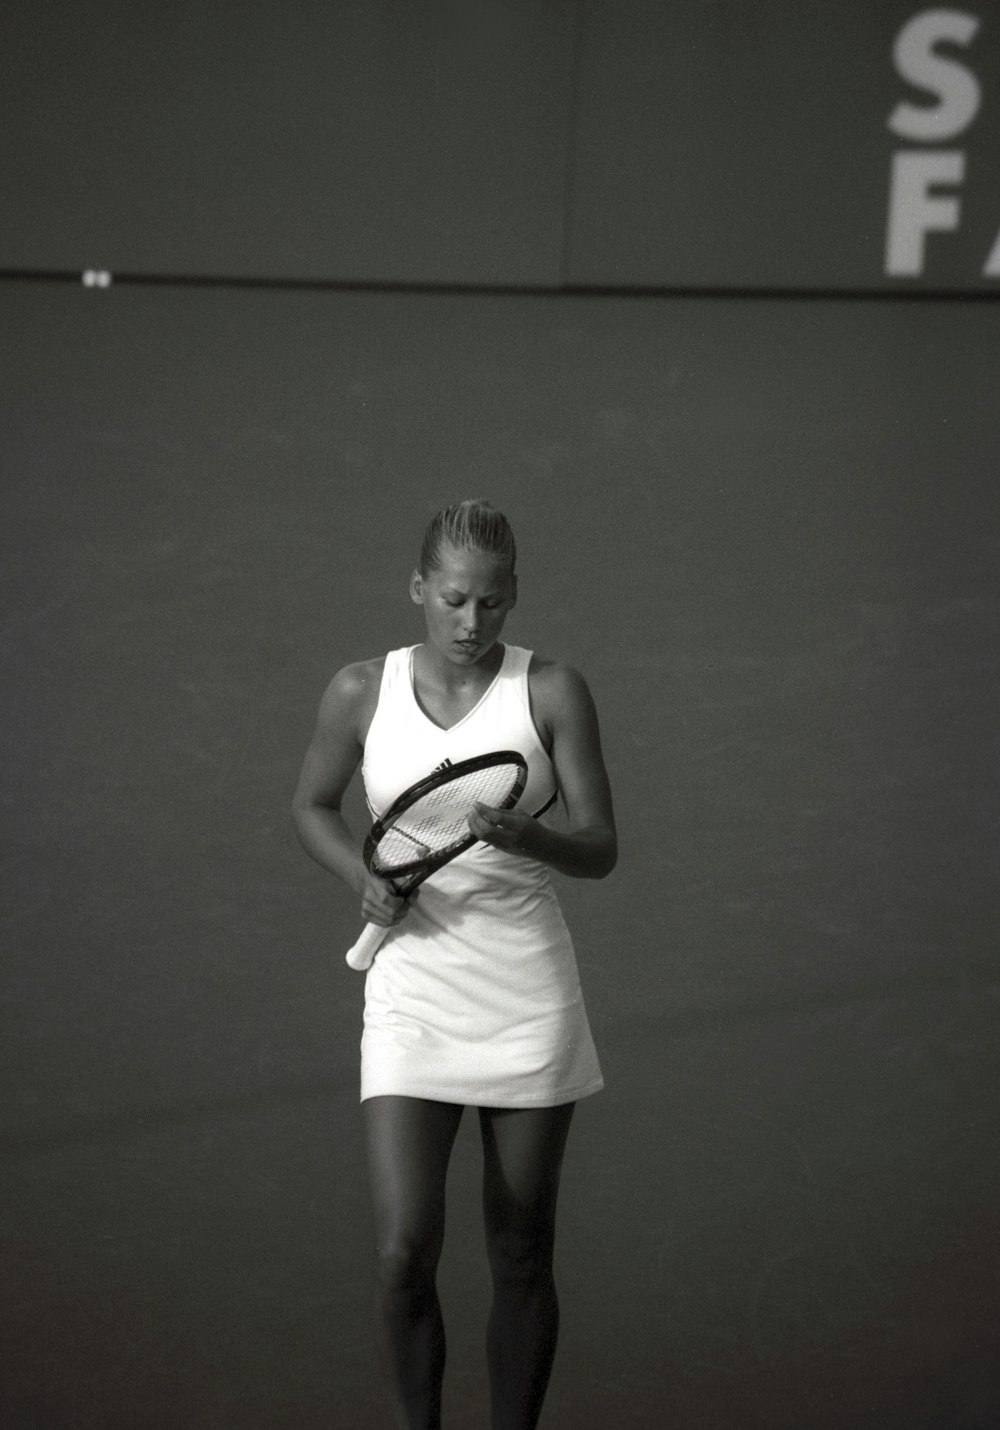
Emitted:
<point x="361" y="953"/>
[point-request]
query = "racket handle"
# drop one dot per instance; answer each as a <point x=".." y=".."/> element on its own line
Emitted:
<point x="361" y="953"/>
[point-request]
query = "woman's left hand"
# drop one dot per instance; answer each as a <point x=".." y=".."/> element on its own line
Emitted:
<point x="508" y="829"/>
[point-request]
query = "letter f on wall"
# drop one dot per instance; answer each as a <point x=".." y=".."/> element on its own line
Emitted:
<point x="914" y="211"/>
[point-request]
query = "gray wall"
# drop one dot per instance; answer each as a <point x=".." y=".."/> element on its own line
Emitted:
<point x="492" y="141"/>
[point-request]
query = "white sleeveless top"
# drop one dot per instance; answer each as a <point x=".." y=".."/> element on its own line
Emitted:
<point x="474" y="997"/>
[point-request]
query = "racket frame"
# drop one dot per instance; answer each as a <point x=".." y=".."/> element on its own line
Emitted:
<point x="404" y="878"/>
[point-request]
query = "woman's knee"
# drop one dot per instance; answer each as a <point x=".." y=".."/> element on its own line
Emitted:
<point x="521" y="1255"/>
<point x="407" y="1263"/>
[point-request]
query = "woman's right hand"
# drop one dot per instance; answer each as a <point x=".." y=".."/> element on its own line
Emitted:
<point x="379" y="905"/>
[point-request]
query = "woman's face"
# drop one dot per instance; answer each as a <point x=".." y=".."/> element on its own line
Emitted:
<point x="465" y="601"/>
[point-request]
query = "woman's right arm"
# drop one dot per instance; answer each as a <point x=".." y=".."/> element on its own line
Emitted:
<point x="331" y="760"/>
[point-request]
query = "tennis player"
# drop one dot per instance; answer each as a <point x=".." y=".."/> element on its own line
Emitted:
<point x="474" y="997"/>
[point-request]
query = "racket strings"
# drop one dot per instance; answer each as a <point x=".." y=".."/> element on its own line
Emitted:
<point x="439" y="819"/>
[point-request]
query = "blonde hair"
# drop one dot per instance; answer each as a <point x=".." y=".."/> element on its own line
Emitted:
<point x="471" y="526"/>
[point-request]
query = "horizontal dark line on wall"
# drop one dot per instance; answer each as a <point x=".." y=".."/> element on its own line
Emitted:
<point x="908" y="293"/>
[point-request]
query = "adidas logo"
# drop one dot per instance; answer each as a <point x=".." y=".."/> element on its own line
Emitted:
<point x="444" y="765"/>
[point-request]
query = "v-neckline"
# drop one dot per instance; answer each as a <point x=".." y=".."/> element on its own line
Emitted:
<point x="448" y="729"/>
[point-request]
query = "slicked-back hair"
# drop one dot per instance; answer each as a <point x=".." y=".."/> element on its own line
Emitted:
<point x="469" y="526"/>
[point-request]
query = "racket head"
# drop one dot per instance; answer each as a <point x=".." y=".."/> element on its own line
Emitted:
<point x="428" y="824"/>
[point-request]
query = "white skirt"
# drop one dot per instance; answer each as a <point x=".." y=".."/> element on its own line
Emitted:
<point x="474" y="997"/>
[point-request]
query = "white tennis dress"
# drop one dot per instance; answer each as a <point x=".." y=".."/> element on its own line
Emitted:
<point x="474" y="997"/>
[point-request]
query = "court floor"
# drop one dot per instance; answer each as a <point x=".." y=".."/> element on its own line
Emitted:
<point x="766" y="532"/>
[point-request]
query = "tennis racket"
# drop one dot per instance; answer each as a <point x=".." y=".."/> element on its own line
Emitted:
<point x="428" y="825"/>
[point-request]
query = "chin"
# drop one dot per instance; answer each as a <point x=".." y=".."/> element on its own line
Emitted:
<point x="475" y="653"/>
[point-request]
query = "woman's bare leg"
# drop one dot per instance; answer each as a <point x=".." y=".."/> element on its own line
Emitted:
<point x="409" y="1142"/>
<point x="523" y="1150"/>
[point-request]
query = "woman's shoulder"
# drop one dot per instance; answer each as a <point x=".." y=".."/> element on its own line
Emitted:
<point x="354" y="690"/>
<point x="360" y="675"/>
<point x="555" y="684"/>
<point x="548" y="673"/>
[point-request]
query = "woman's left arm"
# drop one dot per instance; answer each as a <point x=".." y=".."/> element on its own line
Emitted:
<point x="564" y="712"/>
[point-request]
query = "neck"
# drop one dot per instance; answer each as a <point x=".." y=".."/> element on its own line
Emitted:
<point x="447" y="676"/>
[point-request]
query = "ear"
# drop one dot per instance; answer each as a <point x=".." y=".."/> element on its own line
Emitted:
<point x="513" y="595"/>
<point x="417" y="588"/>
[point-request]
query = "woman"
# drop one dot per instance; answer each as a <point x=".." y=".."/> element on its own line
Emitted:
<point x="473" y="999"/>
